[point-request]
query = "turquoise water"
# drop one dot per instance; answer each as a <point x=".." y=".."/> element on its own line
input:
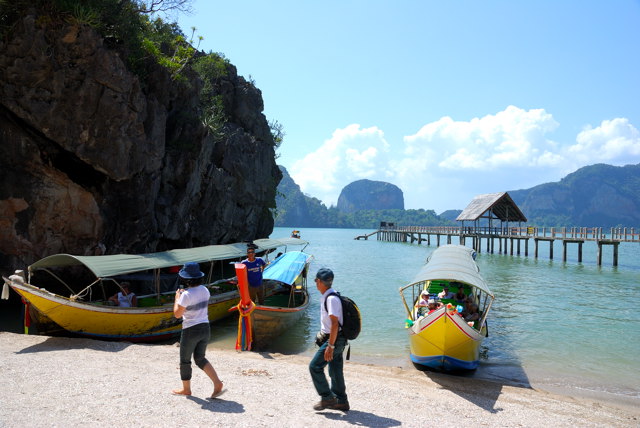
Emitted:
<point x="553" y="324"/>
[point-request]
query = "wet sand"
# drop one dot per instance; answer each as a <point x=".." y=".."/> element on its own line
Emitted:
<point x="60" y="381"/>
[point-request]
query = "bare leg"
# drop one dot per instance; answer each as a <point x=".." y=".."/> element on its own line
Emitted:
<point x="217" y="383"/>
<point x="186" y="388"/>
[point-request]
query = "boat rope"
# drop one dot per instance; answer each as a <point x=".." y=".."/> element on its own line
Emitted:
<point x="83" y="292"/>
<point x="244" y="339"/>
<point x="56" y="277"/>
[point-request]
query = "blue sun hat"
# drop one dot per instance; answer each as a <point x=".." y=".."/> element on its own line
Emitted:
<point x="191" y="270"/>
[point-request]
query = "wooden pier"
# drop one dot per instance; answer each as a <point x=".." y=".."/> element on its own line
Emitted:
<point x="509" y="239"/>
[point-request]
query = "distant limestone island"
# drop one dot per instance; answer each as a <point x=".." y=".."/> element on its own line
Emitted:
<point x="593" y="196"/>
<point x="370" y="195"/>
<point x="362" y="204"/>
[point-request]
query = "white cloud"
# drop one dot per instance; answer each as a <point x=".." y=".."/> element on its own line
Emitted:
<point x="447" y="162"/>
<point x="509" y="138"/>
<point x="352" y="153"/>
<point x="615" y="142"/>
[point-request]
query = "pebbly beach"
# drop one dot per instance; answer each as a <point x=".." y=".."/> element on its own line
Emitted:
<point x="60" y="381"/>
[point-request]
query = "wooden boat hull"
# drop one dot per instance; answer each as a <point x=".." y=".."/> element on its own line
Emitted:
<point x="269" y="322"/>
<point x="445" y="341"/>
<point x="109" y="322"/>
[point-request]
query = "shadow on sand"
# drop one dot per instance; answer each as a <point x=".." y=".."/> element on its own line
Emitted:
<point x="64" y="344"/>
<point x="481" y="387"/>
<point x="358" y="418"/>
<point x="218" y="405"/>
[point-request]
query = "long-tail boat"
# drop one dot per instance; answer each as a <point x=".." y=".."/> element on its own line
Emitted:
<point x="73" y="291"/>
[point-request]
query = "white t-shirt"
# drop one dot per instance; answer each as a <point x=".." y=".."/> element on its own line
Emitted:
<point x="334" y="307"/>
<point x="446" y="295"/>
<point x="125" y="301"/>
<point x="196" y="300"/>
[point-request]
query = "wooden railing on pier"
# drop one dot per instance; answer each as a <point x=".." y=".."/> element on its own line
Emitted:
<point x="513" y="236"/>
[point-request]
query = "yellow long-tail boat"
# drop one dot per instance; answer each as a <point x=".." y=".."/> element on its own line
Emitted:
<point x="76" y="294"/>
<point x="447" y="334"/>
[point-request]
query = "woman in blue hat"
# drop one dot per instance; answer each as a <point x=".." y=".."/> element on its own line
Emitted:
<point x="192" y="305"/>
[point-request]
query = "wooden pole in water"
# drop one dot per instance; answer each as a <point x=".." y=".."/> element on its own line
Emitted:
<point x="579" y="252"/>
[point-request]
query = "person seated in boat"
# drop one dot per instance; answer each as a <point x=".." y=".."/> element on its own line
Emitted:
<point x="433" y="305"/>
<point x="472" y="314"/>
<point x="460" y="297"/>
<point x="125" y="298"/>
<point x="445" y="293"/>
<point x="422" y="304"/>
<point x="466" y="306"/>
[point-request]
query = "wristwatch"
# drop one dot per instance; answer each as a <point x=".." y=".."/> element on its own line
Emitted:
<point x="331" y="346"/>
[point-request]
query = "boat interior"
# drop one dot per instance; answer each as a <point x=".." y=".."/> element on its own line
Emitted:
<point x="453" y="306"/>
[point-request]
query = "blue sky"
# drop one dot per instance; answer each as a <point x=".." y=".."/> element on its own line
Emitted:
<point x="445" y="99"/>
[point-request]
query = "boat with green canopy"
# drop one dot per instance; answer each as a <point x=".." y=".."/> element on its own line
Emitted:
<point x="73" y="291"/>
<point x="448" y="332"/>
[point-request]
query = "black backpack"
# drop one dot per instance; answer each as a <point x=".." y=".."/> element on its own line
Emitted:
<point x="352" y="321"/>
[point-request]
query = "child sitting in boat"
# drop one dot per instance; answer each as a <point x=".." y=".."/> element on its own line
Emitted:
<point x="433" y="305"/>
<point x="422" y="304"/>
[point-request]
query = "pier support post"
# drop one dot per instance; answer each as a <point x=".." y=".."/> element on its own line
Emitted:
<point x="579" y="252"/>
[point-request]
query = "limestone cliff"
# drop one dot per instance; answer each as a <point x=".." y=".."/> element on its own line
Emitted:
<point x="370" y="195"/>
<point x="95" y="159"/>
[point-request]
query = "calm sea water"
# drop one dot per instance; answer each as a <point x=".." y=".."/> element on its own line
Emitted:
<point x="553" y="325"/>
<point x="556" y="326"/>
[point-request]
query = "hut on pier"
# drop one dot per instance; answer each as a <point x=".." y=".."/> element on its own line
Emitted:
<point x="489" y="208"/>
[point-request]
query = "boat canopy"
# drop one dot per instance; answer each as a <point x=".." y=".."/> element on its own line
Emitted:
<point x="452" y="263"/>
<point x="120" y="264"/>
<point x="287" y="268"/>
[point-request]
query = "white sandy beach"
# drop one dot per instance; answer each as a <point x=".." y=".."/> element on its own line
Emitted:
<point x="67" y="382"/>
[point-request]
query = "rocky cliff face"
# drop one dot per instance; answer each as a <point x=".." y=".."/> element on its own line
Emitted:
<point x="94" y="160"/>
<point x="370" y="195"/>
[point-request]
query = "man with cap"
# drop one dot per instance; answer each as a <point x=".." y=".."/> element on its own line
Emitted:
<point x="332" y="345"/>
<point x="192" y="305"/>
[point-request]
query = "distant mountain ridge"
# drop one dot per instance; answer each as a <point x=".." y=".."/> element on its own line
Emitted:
<point x="598" y="195"/>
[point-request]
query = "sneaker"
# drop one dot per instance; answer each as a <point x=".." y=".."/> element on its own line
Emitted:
<point x="341" y="406"/>
<point x="325" y="404"/>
